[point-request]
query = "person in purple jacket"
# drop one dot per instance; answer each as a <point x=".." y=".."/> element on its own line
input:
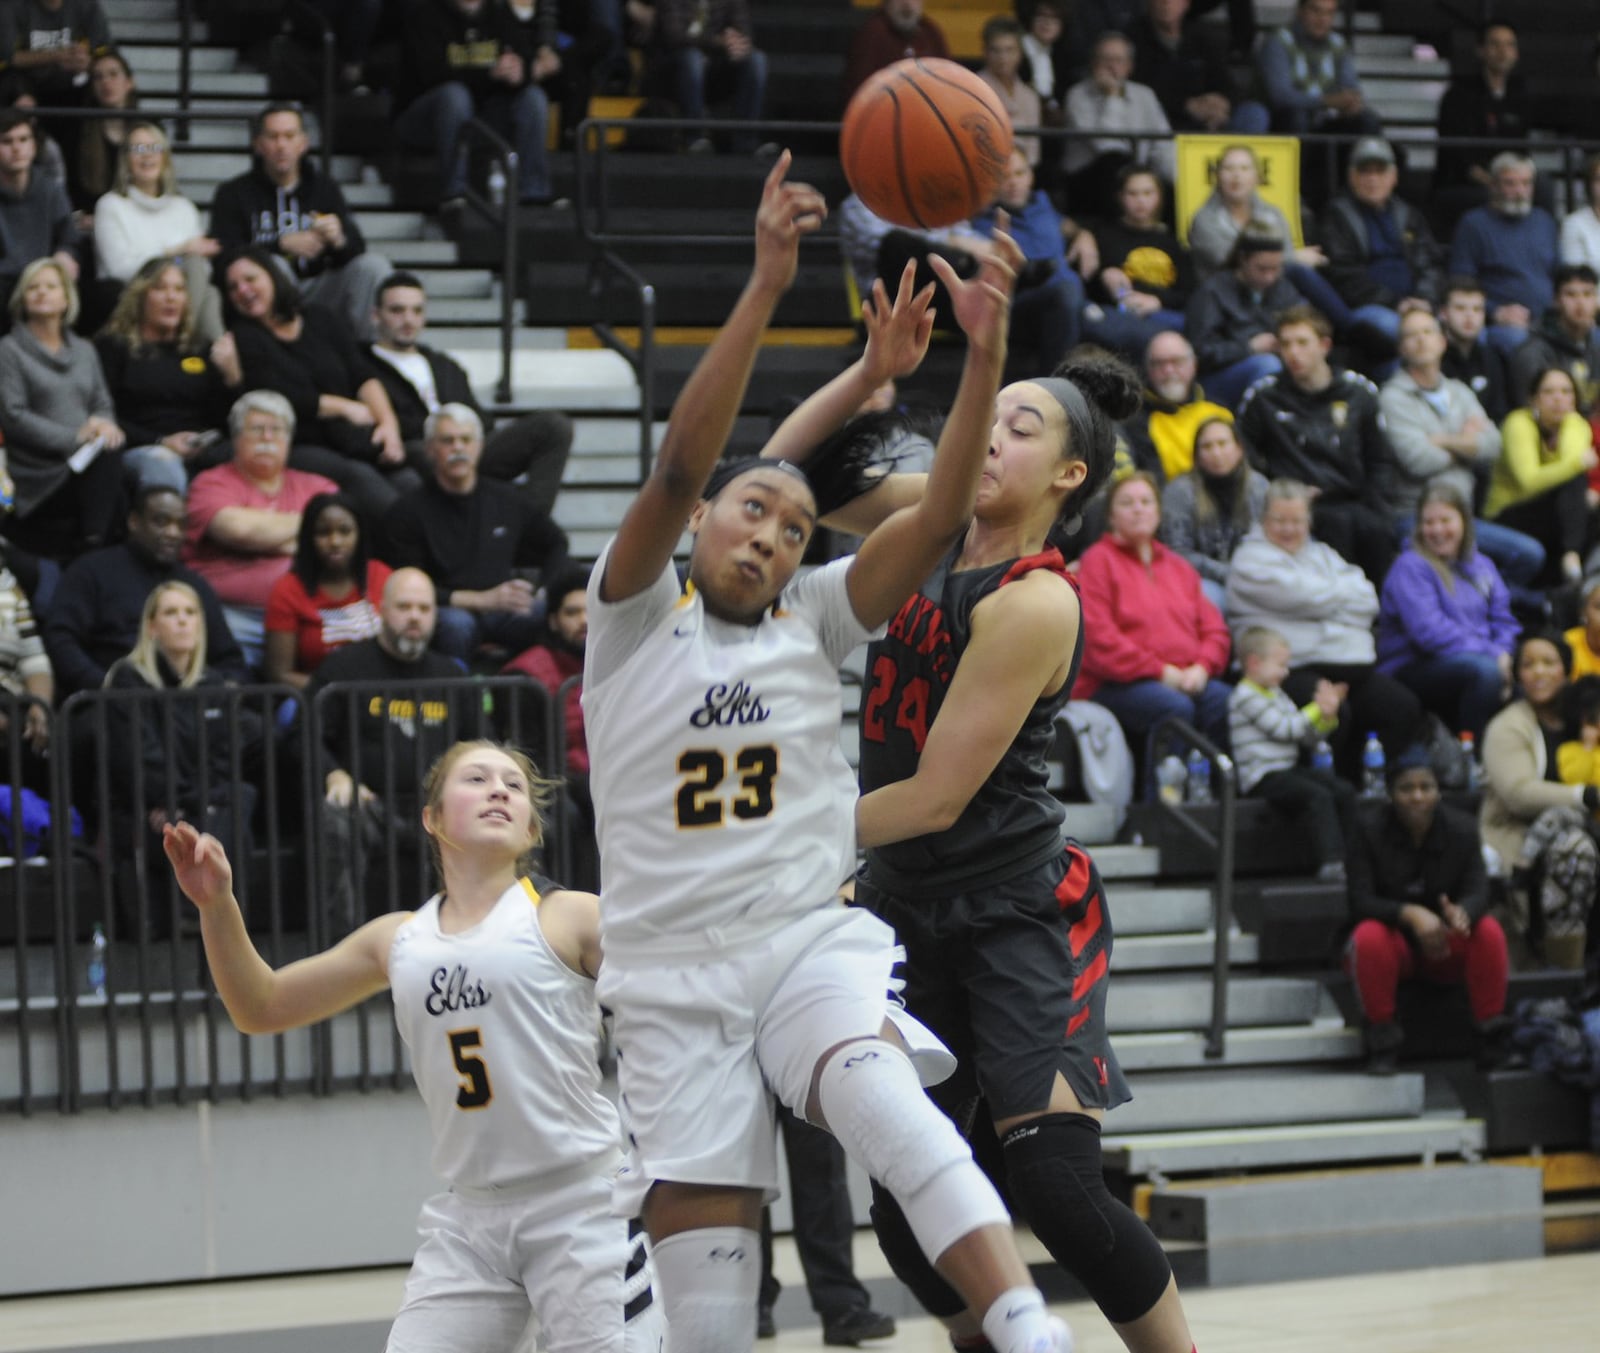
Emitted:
<point x="1444" y="620"/>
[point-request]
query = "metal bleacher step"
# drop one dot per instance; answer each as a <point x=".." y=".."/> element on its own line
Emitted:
<point x="1141" y="910"/>
<point x="1290" y="1044"/>
<point x="1169" y="952"/>
<point x="1127" y="862"/>
<point x="1148" y="1004"/>
<point x="163" y="58"/>
<point x="1091" y="824"/>
<point x="1264" y="1148"/>
<point x="576" y="381"/>
<point x="391" y="225"/>
<point x="1167" y="1101"/>
<point x="1334" y="1202"/>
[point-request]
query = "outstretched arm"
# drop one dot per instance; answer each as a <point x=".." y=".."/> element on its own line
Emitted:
<point x="259" y="999"/>
<point x="898" y="555"/>
<point x="704" y="413"/>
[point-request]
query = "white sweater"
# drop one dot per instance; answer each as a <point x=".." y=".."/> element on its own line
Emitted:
<point x="1322" y="604"/>
<point x="134" y="227"/>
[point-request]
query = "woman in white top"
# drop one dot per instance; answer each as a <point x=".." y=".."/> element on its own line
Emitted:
<point x="144" y="216"/>
<point x="1580" y="230"/>
<point x="725" y="818"/>
<point x="505" y="1051"/>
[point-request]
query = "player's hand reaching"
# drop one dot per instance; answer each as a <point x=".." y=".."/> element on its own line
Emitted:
<point x="982" y="305"/>
<point x="897" y="335"/>
<point x="200" y="864"/>
<point x="787" y="211"/>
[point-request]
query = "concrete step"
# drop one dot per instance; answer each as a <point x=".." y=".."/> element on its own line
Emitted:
<point x="1289" y="1044"/>
<point x="208" y="84"/>
<point x="588" y="544"/>
<point x="391" y="225"/>
<point x="1092" y="824"/>
<point x="1294" y="1144"/>
<point x="591" y="508"/>
<point x="456" y="283"/>
<point x="1166" y="1101"/>
<point x="596" y="379"/>
<point x="1152" y="1005"/>
<point x="1164" y="953"/>
<point x="119" y="10"/>
<point x="1127" y="862"/>
<point x="1400" y="65"/>
<point x="137" y="31"/>
<point x="610" y="438"/>
<point x="1343" y="1201"/>
<point x="415" y="254"/>
<point x="1150" y="910"/>
<point x="164" y="58"/>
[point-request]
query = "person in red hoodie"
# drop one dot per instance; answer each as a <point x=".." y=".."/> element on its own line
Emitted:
<point x="1154" y="645"/>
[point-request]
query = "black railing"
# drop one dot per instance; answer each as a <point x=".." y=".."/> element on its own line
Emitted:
<point x="503" y="216"/>
<point x="1224" y="787"/>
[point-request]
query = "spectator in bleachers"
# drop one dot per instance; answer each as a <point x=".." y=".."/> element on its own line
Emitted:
<point x="568" y="40"/>
<point x="1309" y="76"/>
<point x="466" y="59"/>
<point x="895" y="30"/>
<point x="1235" y="203"/>
<point x="1580" y="227"/>
<point x="1001" y="71"/>
<point x="1208" y="511"/>
<point x="1540" y="482"/>
<point x="244" y="515"/>
<point x="699" y="52"/>
<point x="62" y="442"/>
<point x="1584" y="638"/>
<point x="355" y="25"/>
<point x="93" y="147"/>
<point x="1382" y="258"/>
<point x="144" y="217"/>
<point x="1565" y="336"/>
<point x="1324" y="606"/>
<point x="46" y="47"/>
<point x="347" y="427"/>
<point x="1444" y="620"/>
<point x="180" y="754"/>
<point x="1510" y="246"/>
<point x="530" y="450"/>
<point x="1115" y="108"/>
<point x="1320" y="425"/>
<point x="1050" y="53"/>
<point x="168" y="387"/>
<point x="1186" y="64"/>
<point x="476" y="540"/>
<point x="1146" y="277"/>
<point x="24" y="672"/>
<point x="1231" y="320"/>
<point x="1162" y="434"/>
<point x="1153" y="646"/>
<point x="1537" y="825"/>
<point x="1491" y="101"/>
<point x="383" y="743"/>
<point x="329" y="597"/>
<point x="1468" y="358"/>
<point x="94" y="616"/>
<point x="284" y="205"/>
<point x="1267" y="734"/>
<point x="36" y="219"/>
<point x="1419" y="898"/>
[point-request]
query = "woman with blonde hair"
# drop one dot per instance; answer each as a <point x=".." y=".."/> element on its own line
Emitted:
<point x="522" y="1131"/>
<point x="1206" y="513"/>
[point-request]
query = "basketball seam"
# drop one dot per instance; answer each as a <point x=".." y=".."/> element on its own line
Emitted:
<point x="900" y="170"/>
<point x="961" y="154"/>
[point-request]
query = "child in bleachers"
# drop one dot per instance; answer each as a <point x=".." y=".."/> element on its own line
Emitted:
<point x="1268" y="733"/>
<point x="1578" y="761"/>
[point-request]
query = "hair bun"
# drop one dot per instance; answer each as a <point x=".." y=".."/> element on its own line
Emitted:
<point x="1107" y="382"/>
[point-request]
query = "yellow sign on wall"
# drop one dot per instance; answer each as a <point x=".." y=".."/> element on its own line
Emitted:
<point x="1277" y="167"/>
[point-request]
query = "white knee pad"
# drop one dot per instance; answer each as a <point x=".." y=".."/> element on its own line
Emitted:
<point x="710" y="1280"/>
<point x="873" y="1103"/>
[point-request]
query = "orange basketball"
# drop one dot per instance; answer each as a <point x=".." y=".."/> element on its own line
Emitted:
<point x="924" y="143"/>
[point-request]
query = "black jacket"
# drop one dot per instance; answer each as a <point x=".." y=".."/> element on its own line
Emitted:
<point x="252" y="209"/>
<point x="1468" y="109"/>
<point x="1342" y="232"/>
<point x="1197" y="65"/>
<point x="1483" y="371"/>
<point x="1223" y="317"/>
<point x="1153" y="259"/>
<point x="450" y="383"/>
<point x="1332" y="439"/>
<point x="1549" y="346"/>
<point x="442" y="44"/>
<point x="160" y="390"/>
<point x="1387" y="870"/>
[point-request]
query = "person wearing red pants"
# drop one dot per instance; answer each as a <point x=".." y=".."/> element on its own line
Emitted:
<point x="1419" y="895"/>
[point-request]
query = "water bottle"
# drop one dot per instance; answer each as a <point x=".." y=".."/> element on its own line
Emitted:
<point x="96" y="970"/>
<point x="497" y="184"/>
<point x="1322" y="756"/>
<point x="1372" y="786"/>
<point x="1469" y="752"/>
<point x="1169" y="780"/>
<point x="1198" y="771"/>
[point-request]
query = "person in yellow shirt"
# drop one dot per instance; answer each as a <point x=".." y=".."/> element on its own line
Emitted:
<point x="1584" y="639"/>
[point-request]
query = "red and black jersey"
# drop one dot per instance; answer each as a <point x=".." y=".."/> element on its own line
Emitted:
<point x="1013" y="822"/>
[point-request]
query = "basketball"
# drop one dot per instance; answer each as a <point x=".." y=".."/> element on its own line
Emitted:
<point x="924" y="143"/>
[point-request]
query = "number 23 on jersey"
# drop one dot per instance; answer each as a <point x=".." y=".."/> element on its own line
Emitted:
<point x="702" y="800"/>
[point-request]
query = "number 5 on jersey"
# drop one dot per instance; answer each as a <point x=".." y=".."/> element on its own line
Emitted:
<point x="475" y="1091"/>
<point x="699" y="804"/>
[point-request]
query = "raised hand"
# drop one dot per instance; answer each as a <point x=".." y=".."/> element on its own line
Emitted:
<point x="897" y="335"/>
<point x="982" y="306"/>
<point x="787" y="211"/>
<point x="199" y="863"/>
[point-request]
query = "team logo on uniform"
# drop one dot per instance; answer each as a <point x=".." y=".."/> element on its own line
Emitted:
<point x="452" y="989"/>
<point x="1339" y="411"/>
<point x="726" y="705"/>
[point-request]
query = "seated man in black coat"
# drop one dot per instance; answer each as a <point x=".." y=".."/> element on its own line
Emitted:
<point x="476" y="539"/>
<point x="530" y="451"/>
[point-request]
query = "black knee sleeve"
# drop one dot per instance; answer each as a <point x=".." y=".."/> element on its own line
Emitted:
<point x="906" y="1259"/>
<point x="1057" y="1187"/>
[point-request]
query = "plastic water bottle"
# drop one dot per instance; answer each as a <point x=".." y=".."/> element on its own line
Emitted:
<point x="497" y="184"/>
<point x="1322" y="756"/>
<point x="1169" y="780"/>
<point x="1372" y="786"/>
<point x="95" y="973"/>
<point x="1198" y="774"/>
<point x="1469" y="752"/>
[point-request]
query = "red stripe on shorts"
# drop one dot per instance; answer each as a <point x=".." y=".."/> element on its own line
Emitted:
<point x="1086" y="979"/>
<point x="1070" y="891"/>
<point x="1077" y="1021"/>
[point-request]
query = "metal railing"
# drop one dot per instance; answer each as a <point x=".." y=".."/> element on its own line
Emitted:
<point x="1223" y="842"/>
<point x="503" y="216"/>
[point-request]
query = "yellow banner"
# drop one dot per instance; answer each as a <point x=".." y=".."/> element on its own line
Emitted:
<point x="1277" y="167"/>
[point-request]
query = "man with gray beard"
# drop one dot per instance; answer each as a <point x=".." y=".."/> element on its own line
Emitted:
<point x="1161" y="435"/>
<point x="1511" y="246"/>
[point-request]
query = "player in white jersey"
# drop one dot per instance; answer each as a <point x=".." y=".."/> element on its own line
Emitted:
<point x="724" y="809"/>
<point x="493" y="986"/>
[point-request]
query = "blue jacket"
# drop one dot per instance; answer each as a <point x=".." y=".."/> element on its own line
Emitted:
<point x="1512" y="257"/>
<point x="1036" y="229"/>
<point x="1418" y="618"/>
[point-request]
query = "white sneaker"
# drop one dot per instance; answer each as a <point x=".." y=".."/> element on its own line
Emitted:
<point x="1061" y="1335"/>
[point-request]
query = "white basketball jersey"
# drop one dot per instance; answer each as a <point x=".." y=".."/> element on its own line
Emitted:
<point x="724" y="804"/>
<point x="505" y="1045"/>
